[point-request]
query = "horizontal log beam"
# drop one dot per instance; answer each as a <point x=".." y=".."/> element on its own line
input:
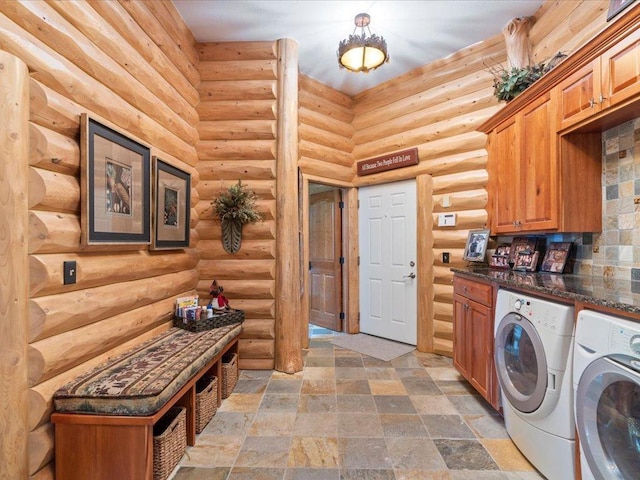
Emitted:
<point x="93" y="270"/>
<point x="319" y="120"/>
<point x="53" y="191"/>
<point x="55" y="314"/>
<point x="330" y="155"/>
<point x="211" y="229"/>
<point x="267" y="207"/>
<point x="168" y="16"/>
<point x="237" y="110"/>
<point x="245" y="288"/>
<point x="237" y="90"/>
<point x="256" y="364"/>
<point x="259" y="329"/>
<point x="251" y="170"/>
<point x="209" y="189"/>
<point x="327" y="170"/>
<point x="256" y="348"/>
<point x="53" y="111"/>
<point x="50" y="150"/>
<point x="237" y="130"/>
<point x="449" y="238"/>
<point x="217" y="51"/>
<point x="250" y="249"/>
<point x="40" y="447"/>
<point x="331" y="95"/>
<point x="236" y="150"/>
<point x="238" y="70"/>
<point x="465" y="200"/>
<point x="319" y="104"/>
<point x="134" y="34"/>
<point x="238" y="269"/>
<point x="457" y="182"/>
<point x="328" y="139"/>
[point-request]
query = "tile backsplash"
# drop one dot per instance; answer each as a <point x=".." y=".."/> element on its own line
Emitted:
<point x="614" y="252"/>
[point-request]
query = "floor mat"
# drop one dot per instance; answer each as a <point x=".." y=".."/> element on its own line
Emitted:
<point x="373" y="346"/>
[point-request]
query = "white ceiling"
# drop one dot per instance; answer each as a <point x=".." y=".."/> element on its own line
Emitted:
<point x="417" y="32"/>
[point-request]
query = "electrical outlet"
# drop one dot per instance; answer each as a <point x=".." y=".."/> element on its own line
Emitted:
<point x="445" y="257"/>
<point x="69" y="272"/>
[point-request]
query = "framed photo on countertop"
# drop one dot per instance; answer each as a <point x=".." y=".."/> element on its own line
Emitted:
<point x="476" y="246"/>
<point x="527" y="261"/>
<point x="556" y="257"/>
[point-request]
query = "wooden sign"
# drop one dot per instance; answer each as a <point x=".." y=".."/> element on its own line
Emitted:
<point x="388" y="162"/>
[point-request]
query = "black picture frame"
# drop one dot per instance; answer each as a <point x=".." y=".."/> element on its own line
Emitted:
<point x="617" y="6"/>
<point x="115" y="186"/>
<point x="476" y="247"/>
<point x="172" y="206"/>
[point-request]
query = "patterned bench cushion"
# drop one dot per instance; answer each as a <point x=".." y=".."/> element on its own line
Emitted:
<point x="139" y="382"/>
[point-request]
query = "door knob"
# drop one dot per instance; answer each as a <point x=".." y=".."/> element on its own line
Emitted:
<point x="411" y="275"/>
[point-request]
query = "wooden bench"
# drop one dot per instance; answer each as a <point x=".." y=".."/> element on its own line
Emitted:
<point x="104" y="419"/>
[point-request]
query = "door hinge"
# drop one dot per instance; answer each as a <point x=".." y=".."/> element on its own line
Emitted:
<point x="358" y="317"/>
<point x="358" y="203"/>
<point x="341" y="204"/>
<point x="358" y="259"/>
<point x="341" y="260"/>
<point x="341" y="315"/>
<point x="309" y="265"/>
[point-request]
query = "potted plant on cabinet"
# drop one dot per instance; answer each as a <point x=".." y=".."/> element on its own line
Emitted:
<point x="235" y="207"/>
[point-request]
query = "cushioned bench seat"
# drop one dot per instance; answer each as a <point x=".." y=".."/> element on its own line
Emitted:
<point x="141" y="381"/>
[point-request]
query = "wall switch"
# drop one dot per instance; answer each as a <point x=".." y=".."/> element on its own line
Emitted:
<point x="445" y="257"/>
<point x="447" y="220"/>
<point x="69" y="272"/>
<point x="445" y="201"/>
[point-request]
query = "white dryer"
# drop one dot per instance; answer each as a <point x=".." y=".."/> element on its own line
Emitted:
<point x="606" y="367"/>
<point x="533" y="350"/>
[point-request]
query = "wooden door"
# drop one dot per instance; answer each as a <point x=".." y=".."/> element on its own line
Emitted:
<point x="621" y="70"/>
<point x="325" y="250"/>
<point x="388" y="249"/>
<point x="538" y="197"/>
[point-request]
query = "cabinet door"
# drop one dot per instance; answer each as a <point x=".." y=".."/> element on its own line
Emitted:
<point x="538" y="198"/>
<point x="503" y="175"/>
<point x="461" y="348"/>
<point x="576" y="96"/>
<point x="621" y="70"/>
<point x="480" y="331"/>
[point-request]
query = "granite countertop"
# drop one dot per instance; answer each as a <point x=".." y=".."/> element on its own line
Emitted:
<point x="623" y="295"/>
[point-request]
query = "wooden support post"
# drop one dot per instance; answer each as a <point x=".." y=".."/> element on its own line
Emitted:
<point x="424" y="185"/>
<point x="14" y="274"/>
<point x="288" y="281"/>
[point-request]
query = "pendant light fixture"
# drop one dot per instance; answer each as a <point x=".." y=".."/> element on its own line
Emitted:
<point x="360" y="53"/>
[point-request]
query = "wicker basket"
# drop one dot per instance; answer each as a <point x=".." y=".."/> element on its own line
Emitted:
<point x="169" y="442"/>
<point x="206" y="401"/>
<point x="229" y="373"/>
<point x="220" y="319"/>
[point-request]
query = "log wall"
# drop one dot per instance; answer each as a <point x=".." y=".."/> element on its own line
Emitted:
<point x="237" y="132"/>
<point x="133" y="66"/>
<point x="437" y="108"/>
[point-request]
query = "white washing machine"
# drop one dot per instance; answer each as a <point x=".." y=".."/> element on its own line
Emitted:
<point x="606" y="368"/>
<point x="533" y="350"/>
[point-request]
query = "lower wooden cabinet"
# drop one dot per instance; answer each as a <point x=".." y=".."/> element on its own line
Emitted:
<point x="473" y="320"/>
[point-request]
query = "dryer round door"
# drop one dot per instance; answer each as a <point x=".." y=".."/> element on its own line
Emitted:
<point x="521" y="363"/>
<point x="608" y="417"/>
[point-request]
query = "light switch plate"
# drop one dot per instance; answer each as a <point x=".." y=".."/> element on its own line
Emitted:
<point x="69" y="272"/>
<point x="447" y="220"/>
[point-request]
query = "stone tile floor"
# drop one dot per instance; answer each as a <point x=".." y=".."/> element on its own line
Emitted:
<point x="352" y="417"/>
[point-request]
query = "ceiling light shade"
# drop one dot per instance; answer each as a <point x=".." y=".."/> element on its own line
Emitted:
<point x="360" y="53"/>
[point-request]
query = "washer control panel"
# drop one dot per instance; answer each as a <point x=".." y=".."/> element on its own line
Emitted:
<point x="557" y="318"/>
<point x="625" y="340"/>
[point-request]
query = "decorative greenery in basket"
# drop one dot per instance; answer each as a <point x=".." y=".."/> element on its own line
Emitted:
<point x="508" y="84"/>
<point x="235" y="207"/>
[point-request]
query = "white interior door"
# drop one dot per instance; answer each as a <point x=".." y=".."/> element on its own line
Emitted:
<point x="387" y="233"/>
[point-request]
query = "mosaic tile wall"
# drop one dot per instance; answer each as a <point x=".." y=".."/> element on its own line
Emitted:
<point x="614" y="252"/>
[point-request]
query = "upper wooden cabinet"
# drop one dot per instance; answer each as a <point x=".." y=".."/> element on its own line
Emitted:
<point x="604" y="83"/>
<point x="523" y="171"/>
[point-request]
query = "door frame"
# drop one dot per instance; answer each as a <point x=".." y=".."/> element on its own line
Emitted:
<point x="350" y="296"/>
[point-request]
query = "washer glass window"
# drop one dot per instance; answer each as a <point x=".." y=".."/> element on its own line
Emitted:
<point x="608" y="407"/>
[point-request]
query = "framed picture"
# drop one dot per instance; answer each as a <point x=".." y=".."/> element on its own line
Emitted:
<point x="172" y="210"/>
<point x="522" y="244"/>
<point x="115" y="186"/>
<point x="616" y="6"/>
<point x="500" y="258"/>
<point x="527" y="261"/>
<point x="476" y="245"/>
<point x="556" y="257"/>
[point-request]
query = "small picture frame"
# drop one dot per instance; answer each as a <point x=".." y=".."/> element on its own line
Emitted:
<point x="476" y="246"/>
<point x="555" y="260"/>
<point x="500" y="258"/>
<point x="115" y="186"/>
<point x="522" y="244"/>
<point x="526" y="261"/>
<point x="617" y="6"/>
<point x="172" y="211"/>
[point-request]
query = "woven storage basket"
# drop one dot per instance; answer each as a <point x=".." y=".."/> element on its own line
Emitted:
<point x="229" y="373"/>
<point x="169" y="442"/>
<point x="221" y="319"/>
<point x="206" y="401"/>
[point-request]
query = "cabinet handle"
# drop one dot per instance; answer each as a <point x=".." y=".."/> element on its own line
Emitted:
<point x="592" y="103"/>
<point x="602" y="98"/>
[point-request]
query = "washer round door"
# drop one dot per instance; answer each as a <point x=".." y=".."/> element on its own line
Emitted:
<point x="608" y="417"/>
<point x="521" y="363"/>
